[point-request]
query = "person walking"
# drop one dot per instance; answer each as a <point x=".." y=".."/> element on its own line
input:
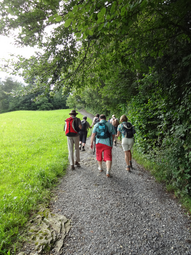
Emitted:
<point x="95" y="120"/>
<point x="115" y="122"/>
<point x="127" y="131"/>
<point x="105" y="134"/>
<point x="72" y="127"/>
<point x="83" y="133"/>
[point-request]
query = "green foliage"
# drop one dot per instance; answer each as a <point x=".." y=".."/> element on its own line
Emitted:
<point x="16" y="96"/>
<point x="119" y="57"/>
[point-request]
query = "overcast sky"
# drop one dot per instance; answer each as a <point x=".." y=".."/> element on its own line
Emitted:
<point x="7" y="47"/>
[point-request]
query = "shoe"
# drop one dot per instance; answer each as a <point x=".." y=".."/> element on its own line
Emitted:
<point x="108" y="175"/>
<point x="77" y="164"/>
<point x="128" y="169"/>
<point x="83" y="149"/>
<point x="72" y="167"/>
<point x="79" y="147"/>
<point x="99" y="168"/>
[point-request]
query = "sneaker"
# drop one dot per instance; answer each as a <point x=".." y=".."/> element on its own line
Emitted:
<point x="72" y="167"/>
<point x="108" y="175"/>
<point x="99" y="168"/>
<point x="77" y="164"/>
<point x="83" y="149"/>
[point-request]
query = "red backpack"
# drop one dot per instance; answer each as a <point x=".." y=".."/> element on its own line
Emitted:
<point x="69" y="127"/>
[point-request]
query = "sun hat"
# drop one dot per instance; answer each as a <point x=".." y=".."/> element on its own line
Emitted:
<point x="73" y="112"/>
<point x="113" y="116"/>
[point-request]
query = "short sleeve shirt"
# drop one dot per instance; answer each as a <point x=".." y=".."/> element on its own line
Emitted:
<point x="108" y="141"/>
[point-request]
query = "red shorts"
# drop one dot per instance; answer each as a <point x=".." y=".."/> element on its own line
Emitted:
<point x="107" y="152"/>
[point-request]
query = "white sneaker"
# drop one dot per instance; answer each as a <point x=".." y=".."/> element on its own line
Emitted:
<point x="108" y="174"/>
<point x="99" y="168"/>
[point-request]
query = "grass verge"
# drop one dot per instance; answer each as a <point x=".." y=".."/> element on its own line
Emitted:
<point x="33" y="155"/>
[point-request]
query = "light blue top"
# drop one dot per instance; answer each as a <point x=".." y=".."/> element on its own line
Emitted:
<point x="108" y="141"/>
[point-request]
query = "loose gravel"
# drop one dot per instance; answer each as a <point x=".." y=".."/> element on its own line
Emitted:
<point x="129" y="213"/>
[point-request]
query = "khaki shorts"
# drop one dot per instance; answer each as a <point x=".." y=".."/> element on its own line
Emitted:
<point x="127" y="143"/>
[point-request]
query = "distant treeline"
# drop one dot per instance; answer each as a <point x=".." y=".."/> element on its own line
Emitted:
<point x="16" y="96"/>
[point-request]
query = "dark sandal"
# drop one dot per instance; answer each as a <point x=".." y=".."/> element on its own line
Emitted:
<point x="128" y="169"/>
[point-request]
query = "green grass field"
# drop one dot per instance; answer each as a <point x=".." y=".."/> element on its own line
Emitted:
<point x="33" y="155"/>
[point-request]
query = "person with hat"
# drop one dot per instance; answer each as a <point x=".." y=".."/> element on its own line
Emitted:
<point x="72" y="127"/>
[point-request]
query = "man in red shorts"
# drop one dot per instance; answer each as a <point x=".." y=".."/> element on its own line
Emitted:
<point x="105" y="134"/>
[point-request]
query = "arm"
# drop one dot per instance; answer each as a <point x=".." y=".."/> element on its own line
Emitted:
<point x="92" y="139"/>
<point x="118" y="134"/>
<point x="89" y="125"/>
<point x="92" y="123"/>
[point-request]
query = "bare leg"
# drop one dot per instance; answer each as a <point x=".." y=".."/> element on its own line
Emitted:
<point x="100" y="165"/>
<point x="108" y="166"/>
<point x="127" y="159"/>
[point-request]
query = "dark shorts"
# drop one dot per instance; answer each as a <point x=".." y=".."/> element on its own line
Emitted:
<point x="115" y="130"/>
<point x="83" y="136"/>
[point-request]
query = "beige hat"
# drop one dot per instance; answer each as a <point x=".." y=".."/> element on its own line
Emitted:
<point x="73" y="112"/>
<point x="113" y="116"/>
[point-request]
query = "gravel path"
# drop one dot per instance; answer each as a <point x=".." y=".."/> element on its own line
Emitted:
<point x="127" y="214"/>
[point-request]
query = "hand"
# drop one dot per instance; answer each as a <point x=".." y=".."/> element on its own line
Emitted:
<point x="91" y="146"/>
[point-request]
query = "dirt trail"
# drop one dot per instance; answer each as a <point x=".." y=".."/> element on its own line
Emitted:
<point x="127" y="214"/>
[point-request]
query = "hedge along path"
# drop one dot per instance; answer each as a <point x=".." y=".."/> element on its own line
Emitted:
<point x="127" y="214"/>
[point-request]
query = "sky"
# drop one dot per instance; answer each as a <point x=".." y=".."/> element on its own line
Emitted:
<point x="7" y="47"/>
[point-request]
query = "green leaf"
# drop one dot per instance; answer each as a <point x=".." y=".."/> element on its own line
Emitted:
<point x="67" y="23"/>
<point x="75" y="9"/>
<point x="123" y="11"/>
<point x="58" y="18"/>
<point x="113" y="7"/>
<point x="90" y="32"/>
<point x="51" y="18"/>
<point x="71" y="14"/>
<point x="101" y="13"/>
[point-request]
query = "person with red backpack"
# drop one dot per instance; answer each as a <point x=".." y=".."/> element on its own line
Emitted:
<point x="72" y="128"/>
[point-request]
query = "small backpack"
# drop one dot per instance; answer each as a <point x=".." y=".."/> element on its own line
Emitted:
<point x="70" y="127"/>
<point x="128" y="130"/>
<point x="96" y="120"/>
<point x="84" y="126"/>
<point x="102" y="131"/>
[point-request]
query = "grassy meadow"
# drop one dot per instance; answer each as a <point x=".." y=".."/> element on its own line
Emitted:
<point x="33" y="155"/>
